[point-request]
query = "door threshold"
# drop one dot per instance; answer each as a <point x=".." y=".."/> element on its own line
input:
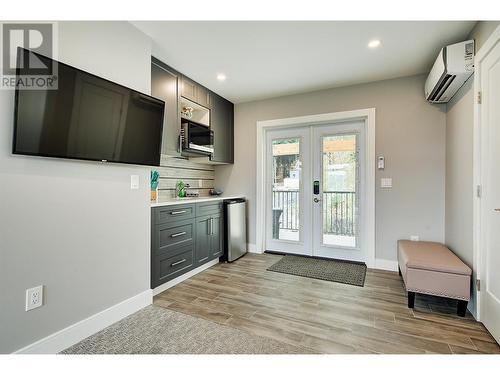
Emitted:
<point x="314" y="257"/>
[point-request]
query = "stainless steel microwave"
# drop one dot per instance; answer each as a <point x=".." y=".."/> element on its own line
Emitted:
<point x="196" y="138"/>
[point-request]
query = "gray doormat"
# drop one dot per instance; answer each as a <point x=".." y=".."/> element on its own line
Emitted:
<point x="156" y="330"/>
<point x="339" y="271"/>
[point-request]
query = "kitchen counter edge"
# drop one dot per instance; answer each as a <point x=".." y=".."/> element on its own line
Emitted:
<point x="173" y="202"/>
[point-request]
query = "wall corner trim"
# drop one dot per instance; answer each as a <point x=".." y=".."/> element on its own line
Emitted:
<point x="74" y="333"/>
<point x="386" y="264"/>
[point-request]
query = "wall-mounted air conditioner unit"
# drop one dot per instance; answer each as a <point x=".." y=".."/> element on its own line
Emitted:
<point x="453" y="66"/>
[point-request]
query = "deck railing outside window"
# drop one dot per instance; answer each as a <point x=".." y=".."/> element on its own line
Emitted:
<point x="339" y="211"/>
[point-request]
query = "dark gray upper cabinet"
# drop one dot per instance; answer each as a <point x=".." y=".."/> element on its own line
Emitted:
<point x="203" y="96"/>
<point x="188" y="88"/>
<point x="195" y="92"/>
<point x="169" y="85"/>
<point x="164" y="85"/>
<point x="222" y="124"/>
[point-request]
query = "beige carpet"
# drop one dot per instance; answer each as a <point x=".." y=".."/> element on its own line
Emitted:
<point x="156" y="330"/>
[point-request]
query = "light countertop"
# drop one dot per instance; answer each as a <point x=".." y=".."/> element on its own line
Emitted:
<point x="174" y="201"/>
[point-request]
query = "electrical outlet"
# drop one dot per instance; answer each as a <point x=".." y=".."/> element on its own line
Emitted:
<point x="34" y="297"/>
<point x="414" y="238"/>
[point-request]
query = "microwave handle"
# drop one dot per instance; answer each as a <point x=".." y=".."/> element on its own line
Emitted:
<point x="184" y="135"/>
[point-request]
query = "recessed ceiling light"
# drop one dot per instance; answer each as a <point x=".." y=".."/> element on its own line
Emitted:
<point x="374" y="43"/>
<point x="221" y="77"/>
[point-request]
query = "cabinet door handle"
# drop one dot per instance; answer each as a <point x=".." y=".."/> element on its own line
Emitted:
<point x="211" y="226"/>
<point x="177" y="234"/>
<point x="178" y="212"/>
<point x="178" y="262"/>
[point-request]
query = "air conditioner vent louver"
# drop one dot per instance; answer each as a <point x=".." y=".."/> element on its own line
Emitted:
<point x="441" y="88"/>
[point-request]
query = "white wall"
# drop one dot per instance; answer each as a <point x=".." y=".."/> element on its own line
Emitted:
<point x="75" y="227"/>
<point x="459" y="167"/>
<point x="410" y="133"/>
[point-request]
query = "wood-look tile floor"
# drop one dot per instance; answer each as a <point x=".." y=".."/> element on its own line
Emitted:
<point x="323" y="316"/>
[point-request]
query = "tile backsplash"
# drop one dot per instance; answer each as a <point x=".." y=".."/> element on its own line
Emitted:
<point x="199" y="176"/>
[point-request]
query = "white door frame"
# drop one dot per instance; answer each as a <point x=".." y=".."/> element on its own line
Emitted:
<point x="479" y="158"/>
<point x="368" y="116"/>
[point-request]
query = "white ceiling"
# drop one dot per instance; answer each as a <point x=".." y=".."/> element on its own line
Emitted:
<point x="268" y="59"/>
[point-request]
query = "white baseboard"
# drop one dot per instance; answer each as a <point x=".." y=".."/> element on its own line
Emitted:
<point x="385" y="264"/>
<point x="180" y="279"/>
<point x="253" y="249"/>
<point x="75" y="333"/>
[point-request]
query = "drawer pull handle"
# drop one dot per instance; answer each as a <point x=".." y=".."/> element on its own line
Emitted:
<point x="178" y="212"/>
<point x="177" y="234"/>
<point x="178" y="262"/>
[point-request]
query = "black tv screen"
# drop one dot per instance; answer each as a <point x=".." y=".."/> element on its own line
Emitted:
<point x="86" y="117"/>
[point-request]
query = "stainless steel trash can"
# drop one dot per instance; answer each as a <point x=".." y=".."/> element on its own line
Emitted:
<point x="235" y="241"/>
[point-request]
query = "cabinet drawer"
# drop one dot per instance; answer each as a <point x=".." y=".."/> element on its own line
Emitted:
<point x="170" y="214"/>
<point x="169" y="236"/>
<point x="169" y="267"/>
<point x="208" y="208"/>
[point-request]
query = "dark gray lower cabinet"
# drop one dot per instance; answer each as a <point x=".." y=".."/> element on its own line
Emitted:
<point x="209" y="237"/>
<point x="217" y="236"/>
<point x="202" y="251"/>
<point x="167" y="266"/>
<point x="184" y="237"/>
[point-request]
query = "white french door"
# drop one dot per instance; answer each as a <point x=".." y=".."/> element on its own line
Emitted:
<point x="337" y="206"/>
<point x="288" y="189"/>
<point x="314" y="181"/>
<point x="489" y="112"/>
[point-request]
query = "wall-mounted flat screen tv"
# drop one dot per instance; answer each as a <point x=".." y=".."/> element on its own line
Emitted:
<point x="86" y="117"/>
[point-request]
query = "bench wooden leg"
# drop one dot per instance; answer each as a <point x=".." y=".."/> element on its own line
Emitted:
<point x="461" y="308"/>
<point x="411" y="300"/>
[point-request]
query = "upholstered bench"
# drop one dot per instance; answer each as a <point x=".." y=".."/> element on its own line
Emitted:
<point x="431" y="268"/>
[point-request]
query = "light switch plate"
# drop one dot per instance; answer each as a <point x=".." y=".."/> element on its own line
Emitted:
<point x="34" y="297"/>
<point x="134" y="182"/>
<point x="386" y="182"/>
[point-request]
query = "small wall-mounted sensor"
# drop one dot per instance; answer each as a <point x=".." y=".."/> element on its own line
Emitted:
<point x="381" y="163"/>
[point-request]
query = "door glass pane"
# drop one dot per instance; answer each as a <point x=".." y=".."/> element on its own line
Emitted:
<point x="339" y="190"/>
<point x="286" y="189"/>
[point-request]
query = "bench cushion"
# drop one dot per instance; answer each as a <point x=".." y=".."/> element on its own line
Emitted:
<point x="431" y="256"/>
<point x="432" y="268"/>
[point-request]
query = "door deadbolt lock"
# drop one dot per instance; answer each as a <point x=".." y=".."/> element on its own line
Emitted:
<point x="316" y="187"/>
<point x="316" y="200"/>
